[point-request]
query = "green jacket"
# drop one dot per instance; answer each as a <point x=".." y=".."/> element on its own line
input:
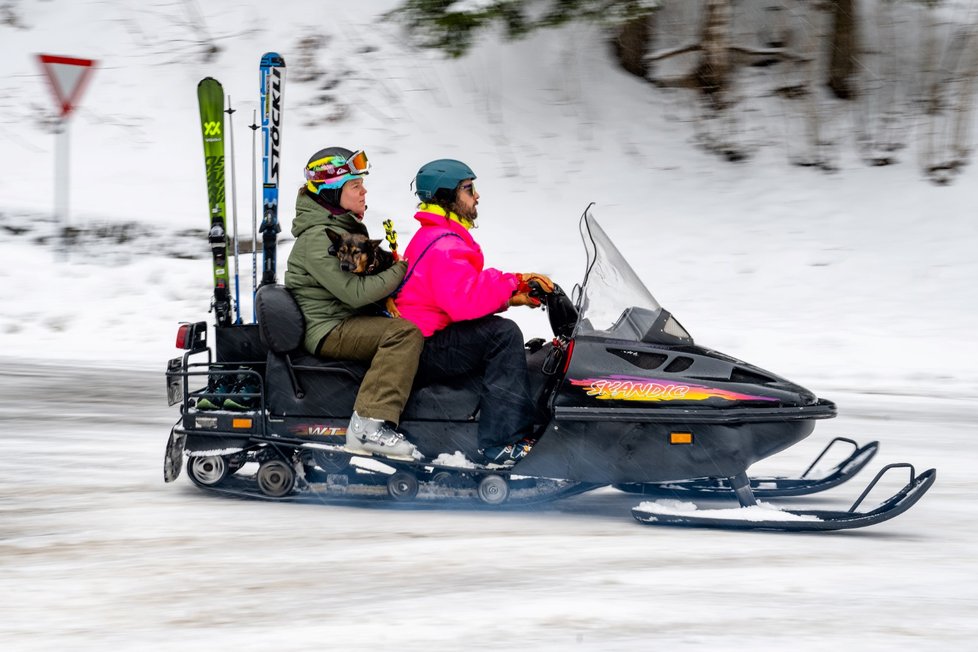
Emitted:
<point x="326" y="294"/>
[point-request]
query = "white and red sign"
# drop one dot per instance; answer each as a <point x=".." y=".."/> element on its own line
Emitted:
<point x="67" y="77"/>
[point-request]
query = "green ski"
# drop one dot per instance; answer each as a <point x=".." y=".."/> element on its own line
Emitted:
<point x="210" y="96"/>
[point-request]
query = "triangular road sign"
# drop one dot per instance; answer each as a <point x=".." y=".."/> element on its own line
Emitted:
<point x="67" y="76"/>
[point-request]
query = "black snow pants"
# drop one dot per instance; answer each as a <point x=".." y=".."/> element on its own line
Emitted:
<point x="493" y="347"/>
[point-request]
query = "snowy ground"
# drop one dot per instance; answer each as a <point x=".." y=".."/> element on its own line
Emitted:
<point x="859" y="285"/>
<point x="96" y="552"/>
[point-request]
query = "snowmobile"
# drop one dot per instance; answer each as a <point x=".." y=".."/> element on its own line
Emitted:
<point x="624" y="397"/>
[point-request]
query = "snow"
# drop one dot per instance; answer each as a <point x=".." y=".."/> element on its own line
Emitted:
<point x="760" y="512"/>
<point x="860" y="285"/>
<point x="456" y="459"/>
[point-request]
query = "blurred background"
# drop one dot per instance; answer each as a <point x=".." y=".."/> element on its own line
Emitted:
<point x="792" y="179"/>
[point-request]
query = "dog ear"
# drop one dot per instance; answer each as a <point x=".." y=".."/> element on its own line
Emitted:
<point x="374" y="244"/>
<point x="334" y="237"/>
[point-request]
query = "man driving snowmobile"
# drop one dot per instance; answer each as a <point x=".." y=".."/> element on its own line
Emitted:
<point x="452" y="298"/>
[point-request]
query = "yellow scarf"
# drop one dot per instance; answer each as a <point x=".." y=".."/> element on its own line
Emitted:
<point x="438" y="210"/>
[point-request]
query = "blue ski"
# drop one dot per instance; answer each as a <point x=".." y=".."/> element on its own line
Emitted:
<point x="272" y="76"/>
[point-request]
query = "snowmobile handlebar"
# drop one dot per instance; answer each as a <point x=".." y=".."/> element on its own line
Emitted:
<point x="560" y="309"/>
<point x="537" y="291"/>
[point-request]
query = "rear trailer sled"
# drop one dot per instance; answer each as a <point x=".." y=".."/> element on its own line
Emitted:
<point x="624" y="398"/>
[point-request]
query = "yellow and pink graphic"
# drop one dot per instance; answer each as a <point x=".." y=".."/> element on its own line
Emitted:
<point x="632" y="388"/>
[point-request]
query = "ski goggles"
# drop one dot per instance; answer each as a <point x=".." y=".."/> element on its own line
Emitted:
<point x="332" y="168"/>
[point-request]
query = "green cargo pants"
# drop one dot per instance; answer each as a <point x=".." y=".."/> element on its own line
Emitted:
<point x="392" y="347"/>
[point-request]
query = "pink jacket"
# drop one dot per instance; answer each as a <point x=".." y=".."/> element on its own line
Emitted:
<point x="448" y="283"/>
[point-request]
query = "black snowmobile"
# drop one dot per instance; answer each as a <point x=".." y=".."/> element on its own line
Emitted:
<point x="624" y="396"/>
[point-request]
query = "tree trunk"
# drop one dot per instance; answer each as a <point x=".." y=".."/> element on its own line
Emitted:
<point x="714" y="68"/>
<point x="843" y="49"/>
<point x="961" y="140"/>
<point x="631" y="44"/>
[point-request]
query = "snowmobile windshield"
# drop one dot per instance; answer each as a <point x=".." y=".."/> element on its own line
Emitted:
<point x="614" y="302"/>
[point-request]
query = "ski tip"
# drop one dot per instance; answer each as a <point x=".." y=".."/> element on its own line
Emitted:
<point x="207" y="81"/>
<point x="272" y="59"/>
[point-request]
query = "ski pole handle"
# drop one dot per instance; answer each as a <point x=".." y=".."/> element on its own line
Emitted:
<point x="391" y="235"/>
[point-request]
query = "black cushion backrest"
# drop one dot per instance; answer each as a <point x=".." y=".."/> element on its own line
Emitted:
<point x="280" y="321"/>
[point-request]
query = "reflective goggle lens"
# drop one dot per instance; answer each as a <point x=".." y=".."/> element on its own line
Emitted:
<point x="358" y="162"/>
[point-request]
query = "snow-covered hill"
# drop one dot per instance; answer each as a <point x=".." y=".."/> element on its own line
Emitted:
<point x="860" y="279"/>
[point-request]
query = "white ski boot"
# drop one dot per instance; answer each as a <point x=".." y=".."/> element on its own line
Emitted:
<point x="368" y="436"/>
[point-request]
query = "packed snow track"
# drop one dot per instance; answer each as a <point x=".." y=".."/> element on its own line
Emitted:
<point x="96" y="552"/>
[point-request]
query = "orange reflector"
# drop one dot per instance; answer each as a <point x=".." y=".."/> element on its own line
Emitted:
<point x="680" y="438"/>
<point x="241" y="423"/>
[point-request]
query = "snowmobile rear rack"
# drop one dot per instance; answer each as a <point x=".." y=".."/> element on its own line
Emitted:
<point x="765" y="517"/>
<point x="765" y="487"/>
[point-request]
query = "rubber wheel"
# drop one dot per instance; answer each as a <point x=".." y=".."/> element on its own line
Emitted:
<point x="449" y="480"/>
<point x="275" y="478"/>
<point x="207" y="471"/>
<point x="493" y="490"/>
<point x="402" y="486"/>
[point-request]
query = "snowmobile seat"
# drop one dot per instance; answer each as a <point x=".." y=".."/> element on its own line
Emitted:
<point x="300" y="384"/>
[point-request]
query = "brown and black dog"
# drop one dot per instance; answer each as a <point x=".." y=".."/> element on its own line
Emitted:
<point x="360" y="255"/>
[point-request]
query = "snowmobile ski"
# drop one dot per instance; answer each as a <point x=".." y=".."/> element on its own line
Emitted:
<point x="210" y="97"/>
<point x="272" y="87"/>
<point x="765" y="517"/>
<point x="764" y="487"/>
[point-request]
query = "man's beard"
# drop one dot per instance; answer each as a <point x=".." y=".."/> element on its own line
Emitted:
<point x="468" y="214"/>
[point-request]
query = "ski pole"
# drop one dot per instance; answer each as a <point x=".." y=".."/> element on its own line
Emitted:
<point x="254" y="217"/>
<point x="234" y="213"/>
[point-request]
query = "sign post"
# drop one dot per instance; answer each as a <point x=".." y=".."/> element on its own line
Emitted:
<point x="67" y="77"/>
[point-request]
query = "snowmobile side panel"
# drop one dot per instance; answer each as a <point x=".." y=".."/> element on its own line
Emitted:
<point x="647" y="452"/>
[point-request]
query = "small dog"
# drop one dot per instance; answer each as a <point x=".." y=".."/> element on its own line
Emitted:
<point x="360" y="255"/>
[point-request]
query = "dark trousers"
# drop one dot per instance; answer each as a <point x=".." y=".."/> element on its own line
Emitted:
<point x="493" y="347"/>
